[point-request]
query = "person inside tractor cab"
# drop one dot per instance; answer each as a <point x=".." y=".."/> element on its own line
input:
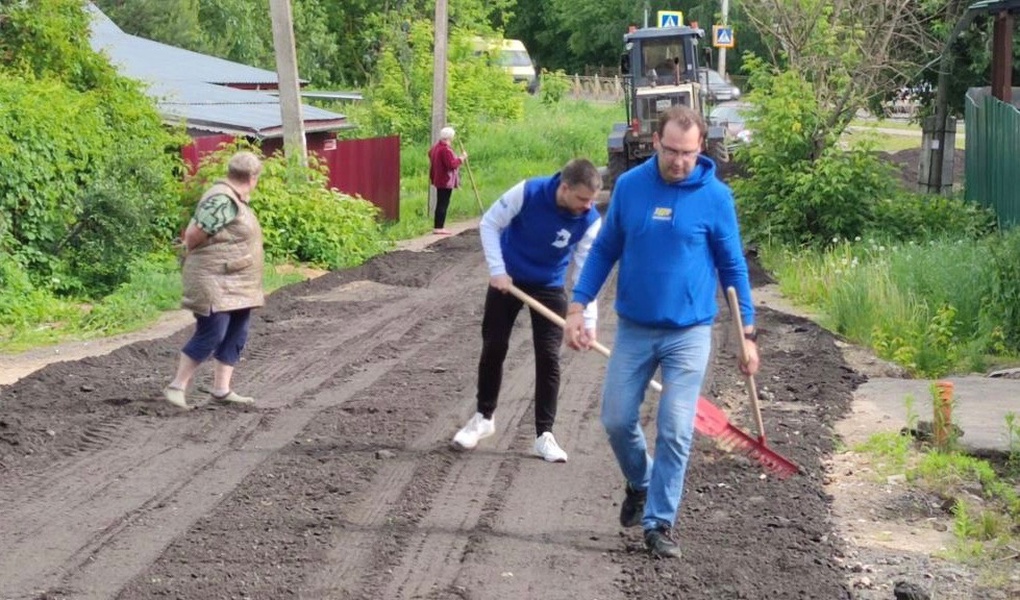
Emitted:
<point x="664" y="59"/>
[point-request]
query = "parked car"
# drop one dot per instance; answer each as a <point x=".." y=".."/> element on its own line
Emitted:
<point x="719" y="90"/>
<point x="512" y="57"/>
<point x="732" y="116"/>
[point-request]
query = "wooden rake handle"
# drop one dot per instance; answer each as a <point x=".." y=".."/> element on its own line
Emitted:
<point x="752" y="388"/>
<point x="555" y="318"/>
<point x="471" y="176"/>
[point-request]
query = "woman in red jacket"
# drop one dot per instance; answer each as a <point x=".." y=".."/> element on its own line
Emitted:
<point x="445" y="176"/>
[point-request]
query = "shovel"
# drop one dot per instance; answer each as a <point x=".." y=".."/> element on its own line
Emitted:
<point x="709" y="419"/>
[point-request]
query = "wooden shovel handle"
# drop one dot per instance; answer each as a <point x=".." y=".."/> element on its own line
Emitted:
<point x="752" y="388"/>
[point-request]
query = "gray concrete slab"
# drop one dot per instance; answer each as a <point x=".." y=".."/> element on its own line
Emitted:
<point x="980" y="408"/>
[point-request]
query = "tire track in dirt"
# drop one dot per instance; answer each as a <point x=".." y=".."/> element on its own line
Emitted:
<point x="359" y="496"/>
<point x="469" y="487"/>
<point x="459" y="516"/>
<point x="348" y="572"/>
<point x="513" y="482"/>
<point x="446" y="282"/>
<point x="549" y="521"/>
<point x="544" y="526"/>
<point x="107" y="530"/>
<point x="125" y="497"/>
<point x="405" y="533"/>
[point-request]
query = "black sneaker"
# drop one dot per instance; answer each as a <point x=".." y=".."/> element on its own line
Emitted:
<point x="660" y="544"/>
<point x="633" y="507"/>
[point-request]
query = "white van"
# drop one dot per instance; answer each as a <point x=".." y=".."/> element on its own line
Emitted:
<point x="514" y="58"/>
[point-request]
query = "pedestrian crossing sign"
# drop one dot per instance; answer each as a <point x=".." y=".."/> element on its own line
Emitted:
<point x="670" y="18"/>
<point x="722" y="37"/>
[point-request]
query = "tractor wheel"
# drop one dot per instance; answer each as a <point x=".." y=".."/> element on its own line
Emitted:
<point x="717" y="150"/>
<point x="617" y="165"/>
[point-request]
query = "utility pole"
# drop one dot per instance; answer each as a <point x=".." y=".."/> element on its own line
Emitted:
<point x="294" y="143"/>
<point x="720" y="64"/>
<point x="438" y="83"/>
<point x="647" y="8"/>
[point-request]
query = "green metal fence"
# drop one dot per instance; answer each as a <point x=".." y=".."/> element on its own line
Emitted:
<point x="993" y="155"/>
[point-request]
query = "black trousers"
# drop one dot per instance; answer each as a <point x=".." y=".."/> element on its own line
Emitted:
<point x="442" y="205"/>
<point x="497" y="324"/>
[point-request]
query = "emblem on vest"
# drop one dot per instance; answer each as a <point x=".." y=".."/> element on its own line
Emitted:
<point x="662" y="213"/>
<point x="562" y="238"/>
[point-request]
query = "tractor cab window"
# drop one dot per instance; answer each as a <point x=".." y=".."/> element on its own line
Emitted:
<point x="666" y="58"/>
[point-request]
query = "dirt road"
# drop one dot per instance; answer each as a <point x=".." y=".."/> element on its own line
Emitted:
<point x="341" y="483"/>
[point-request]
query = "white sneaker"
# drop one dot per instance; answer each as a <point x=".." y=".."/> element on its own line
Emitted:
<point x="547" y="448"/>
<point x="478" y="428"/>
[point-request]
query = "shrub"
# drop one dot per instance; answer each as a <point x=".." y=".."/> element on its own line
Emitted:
<point x="801" y="186"/>
<point x="81" y="147"/>
<point x="49" y="39"/>
<point x="555" y="86"/>
<point x="302" y="219"/>
<point x="73" y="166"/>
<point x="921" y="217"/>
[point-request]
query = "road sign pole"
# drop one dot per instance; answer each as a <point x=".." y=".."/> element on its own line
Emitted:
<point x="721" y="60"/>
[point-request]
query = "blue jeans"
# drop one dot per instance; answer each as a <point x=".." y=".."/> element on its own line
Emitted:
<point x="637" y="353"/>
<point x="221" y="335"/>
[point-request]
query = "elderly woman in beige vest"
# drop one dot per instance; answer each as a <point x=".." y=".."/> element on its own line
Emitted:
<point x="222" y="276"/>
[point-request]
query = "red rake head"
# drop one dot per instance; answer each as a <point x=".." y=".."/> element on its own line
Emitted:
<point x="710" y="420"/>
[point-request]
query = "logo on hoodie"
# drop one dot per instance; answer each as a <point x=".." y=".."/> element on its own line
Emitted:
<point x="662" y="213"/>
<point x="562" y="239"/>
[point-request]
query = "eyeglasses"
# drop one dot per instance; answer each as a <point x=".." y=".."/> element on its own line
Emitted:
<point x="673" y="153"/>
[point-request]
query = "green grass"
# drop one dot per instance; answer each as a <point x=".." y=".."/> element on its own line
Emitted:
<point x="155" y="287"/>
<point x="889" y="452"/>
<point x="986" y="509"/>
<point x="887" y="124"/>
<point x="898" y="124"/>
<point x="921" y="305"/>
<point x="889" y="142"/>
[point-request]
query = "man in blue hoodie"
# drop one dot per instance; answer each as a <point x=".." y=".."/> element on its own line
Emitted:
<point x="672" y="226"/>
<point x="529" y="237"/>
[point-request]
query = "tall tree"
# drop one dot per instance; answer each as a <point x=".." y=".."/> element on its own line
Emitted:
<point x="173" y="22"/>
<point x="238" y="30"/>
<point x="971" y="53"/>
<point x="851" y="51"/>
<point x="594" y="29"/>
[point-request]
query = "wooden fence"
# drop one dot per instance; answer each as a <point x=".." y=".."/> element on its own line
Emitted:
<point x="594" y="87"/>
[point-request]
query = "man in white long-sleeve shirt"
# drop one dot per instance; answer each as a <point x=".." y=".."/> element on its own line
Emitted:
<point x="530" y="236"/>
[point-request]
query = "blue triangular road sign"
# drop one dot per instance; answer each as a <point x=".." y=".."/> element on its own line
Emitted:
<point x="724" y="37"/>
<point x="670" y="21"/>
